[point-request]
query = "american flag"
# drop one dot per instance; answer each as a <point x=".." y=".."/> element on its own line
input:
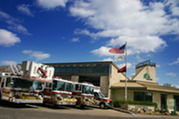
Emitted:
<point x="119" y="50"/>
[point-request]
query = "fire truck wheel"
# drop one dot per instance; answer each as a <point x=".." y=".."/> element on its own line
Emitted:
<point x="102" y="105"/>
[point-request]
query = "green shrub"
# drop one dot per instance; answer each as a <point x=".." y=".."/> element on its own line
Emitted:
<point x="118" y="103"/>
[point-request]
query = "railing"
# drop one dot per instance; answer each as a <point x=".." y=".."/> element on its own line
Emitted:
<point x="145" y="63"/>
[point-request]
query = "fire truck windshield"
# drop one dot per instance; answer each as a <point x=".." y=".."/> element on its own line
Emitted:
<point x="62" y="86"/>
<point x="69" y="87"/>
<point x="58" y="85"/>
<point x="101" y="95"/>
<point x="87" y="89"/>
<point x="26" y="84"/>
<point x="21" y="83"/>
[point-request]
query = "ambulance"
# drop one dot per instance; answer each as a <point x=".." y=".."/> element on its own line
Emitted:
<point x="101" y="100"/>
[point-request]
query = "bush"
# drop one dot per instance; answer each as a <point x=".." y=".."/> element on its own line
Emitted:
<point x="118" y="103"/>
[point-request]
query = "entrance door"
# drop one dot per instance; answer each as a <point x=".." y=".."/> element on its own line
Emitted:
<point x="177" y="102"/>
<point x="163" y="101"/>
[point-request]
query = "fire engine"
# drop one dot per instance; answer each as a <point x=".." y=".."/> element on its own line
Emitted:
<point x="83" y="92"/>
<point x="23" y="83"/>
<point x="101" y="100"/>
<point x="59" y="92"/>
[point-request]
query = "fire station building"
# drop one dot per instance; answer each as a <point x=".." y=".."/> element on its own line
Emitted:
<point x="142" y="86"/>
<point x="103" y="74"/>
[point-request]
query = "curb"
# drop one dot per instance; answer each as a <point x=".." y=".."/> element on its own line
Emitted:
<point x="122" y="110"/>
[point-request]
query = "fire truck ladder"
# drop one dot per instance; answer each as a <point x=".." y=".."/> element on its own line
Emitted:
<point x="15" y="69"/>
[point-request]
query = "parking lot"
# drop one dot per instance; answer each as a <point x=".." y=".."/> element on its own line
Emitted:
<point x="29" y="111"/>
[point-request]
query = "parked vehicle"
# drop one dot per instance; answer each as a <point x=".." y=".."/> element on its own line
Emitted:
<point x="83" y="92"/>
<point x="59" y="92"/>
<point x="101" y="100"/>
<point x="23" y="84"/>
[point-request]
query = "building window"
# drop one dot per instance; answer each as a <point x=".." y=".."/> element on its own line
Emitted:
<point x="142" y="96"/>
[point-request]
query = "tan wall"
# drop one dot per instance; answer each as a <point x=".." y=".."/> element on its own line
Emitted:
<point x="157" y="99"/>
<point x="118" y="94"/>
<point x="170" y="103"/>
<point x="75" y="78"/>
<point x="138" y="69"/>
<point x="151" y="70"/>
<point x="104" y="83"/>
<point x="115" y="77"/>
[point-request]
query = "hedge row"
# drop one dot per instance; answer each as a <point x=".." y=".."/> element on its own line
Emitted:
<point x="118" y="103"/>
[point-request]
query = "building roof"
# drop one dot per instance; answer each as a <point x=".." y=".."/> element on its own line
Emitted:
<point x="145" y="63"/>
<point x="160" y="88"/>
<point x="129" y="85"/>
<point x="146" y="85"/>
<point x="83" y="63"/>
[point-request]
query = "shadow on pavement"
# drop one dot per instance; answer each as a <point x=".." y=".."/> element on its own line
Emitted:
<point x="14" y="105"/>
<point x="51" y="106"/>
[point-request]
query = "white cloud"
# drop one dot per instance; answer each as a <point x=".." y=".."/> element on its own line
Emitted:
<point x="75" y="40"/>
<point x="36" y="54"/>
<point x="82" y="9"/>
<point x="8" y="38"/>
<point x="174" y="7"/>
<point x="102" y="51"/>
<point x="14" y="23"/>
<point x="175" y="85"/>
<point x="175" y="62"/>
<point x="4" y="15"/>
<point x="171" y="74"/>
<point x="19" y="28"/>
<point x="157" y="78"/>
<point x="6" y="62"/>
<point x="158" y="66"/>
<point x="51" y="4"/>
<point x="85" y="32"/>
<point x="127" y="20"/>
<point x="139" y="58"/>
<point x="138" y="44"/>
<point x="25" y="9"/>
<point x="107" y="59"/>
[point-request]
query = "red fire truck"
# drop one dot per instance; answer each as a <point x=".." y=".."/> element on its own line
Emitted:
<point x="23" y="83"/>
<point x="59" y="92"/>
<point x="83" y="92"/>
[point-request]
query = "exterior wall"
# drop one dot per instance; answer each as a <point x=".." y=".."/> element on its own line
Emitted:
<point x="151" y="70"/>
<point x="170" y="103"/>
<point x="75" y="78"/>
<point x="115" y="77"/>
<point x="104" y="83"/>
<point x="119" y="94"/>
<point x="157" y="99"/>
<point x="139" y="69"/>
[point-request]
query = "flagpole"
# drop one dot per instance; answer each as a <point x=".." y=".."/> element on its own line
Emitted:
<point x="126" y="73"/>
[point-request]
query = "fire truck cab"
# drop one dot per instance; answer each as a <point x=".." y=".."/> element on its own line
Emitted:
<point x="83" y="92"/>
<point x="60" y="92"/>
<point x="24" y="83"/>
<point x="18" y="90"/>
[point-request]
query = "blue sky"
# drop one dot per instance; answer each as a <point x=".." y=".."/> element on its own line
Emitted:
<point x="84" y="30"/>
